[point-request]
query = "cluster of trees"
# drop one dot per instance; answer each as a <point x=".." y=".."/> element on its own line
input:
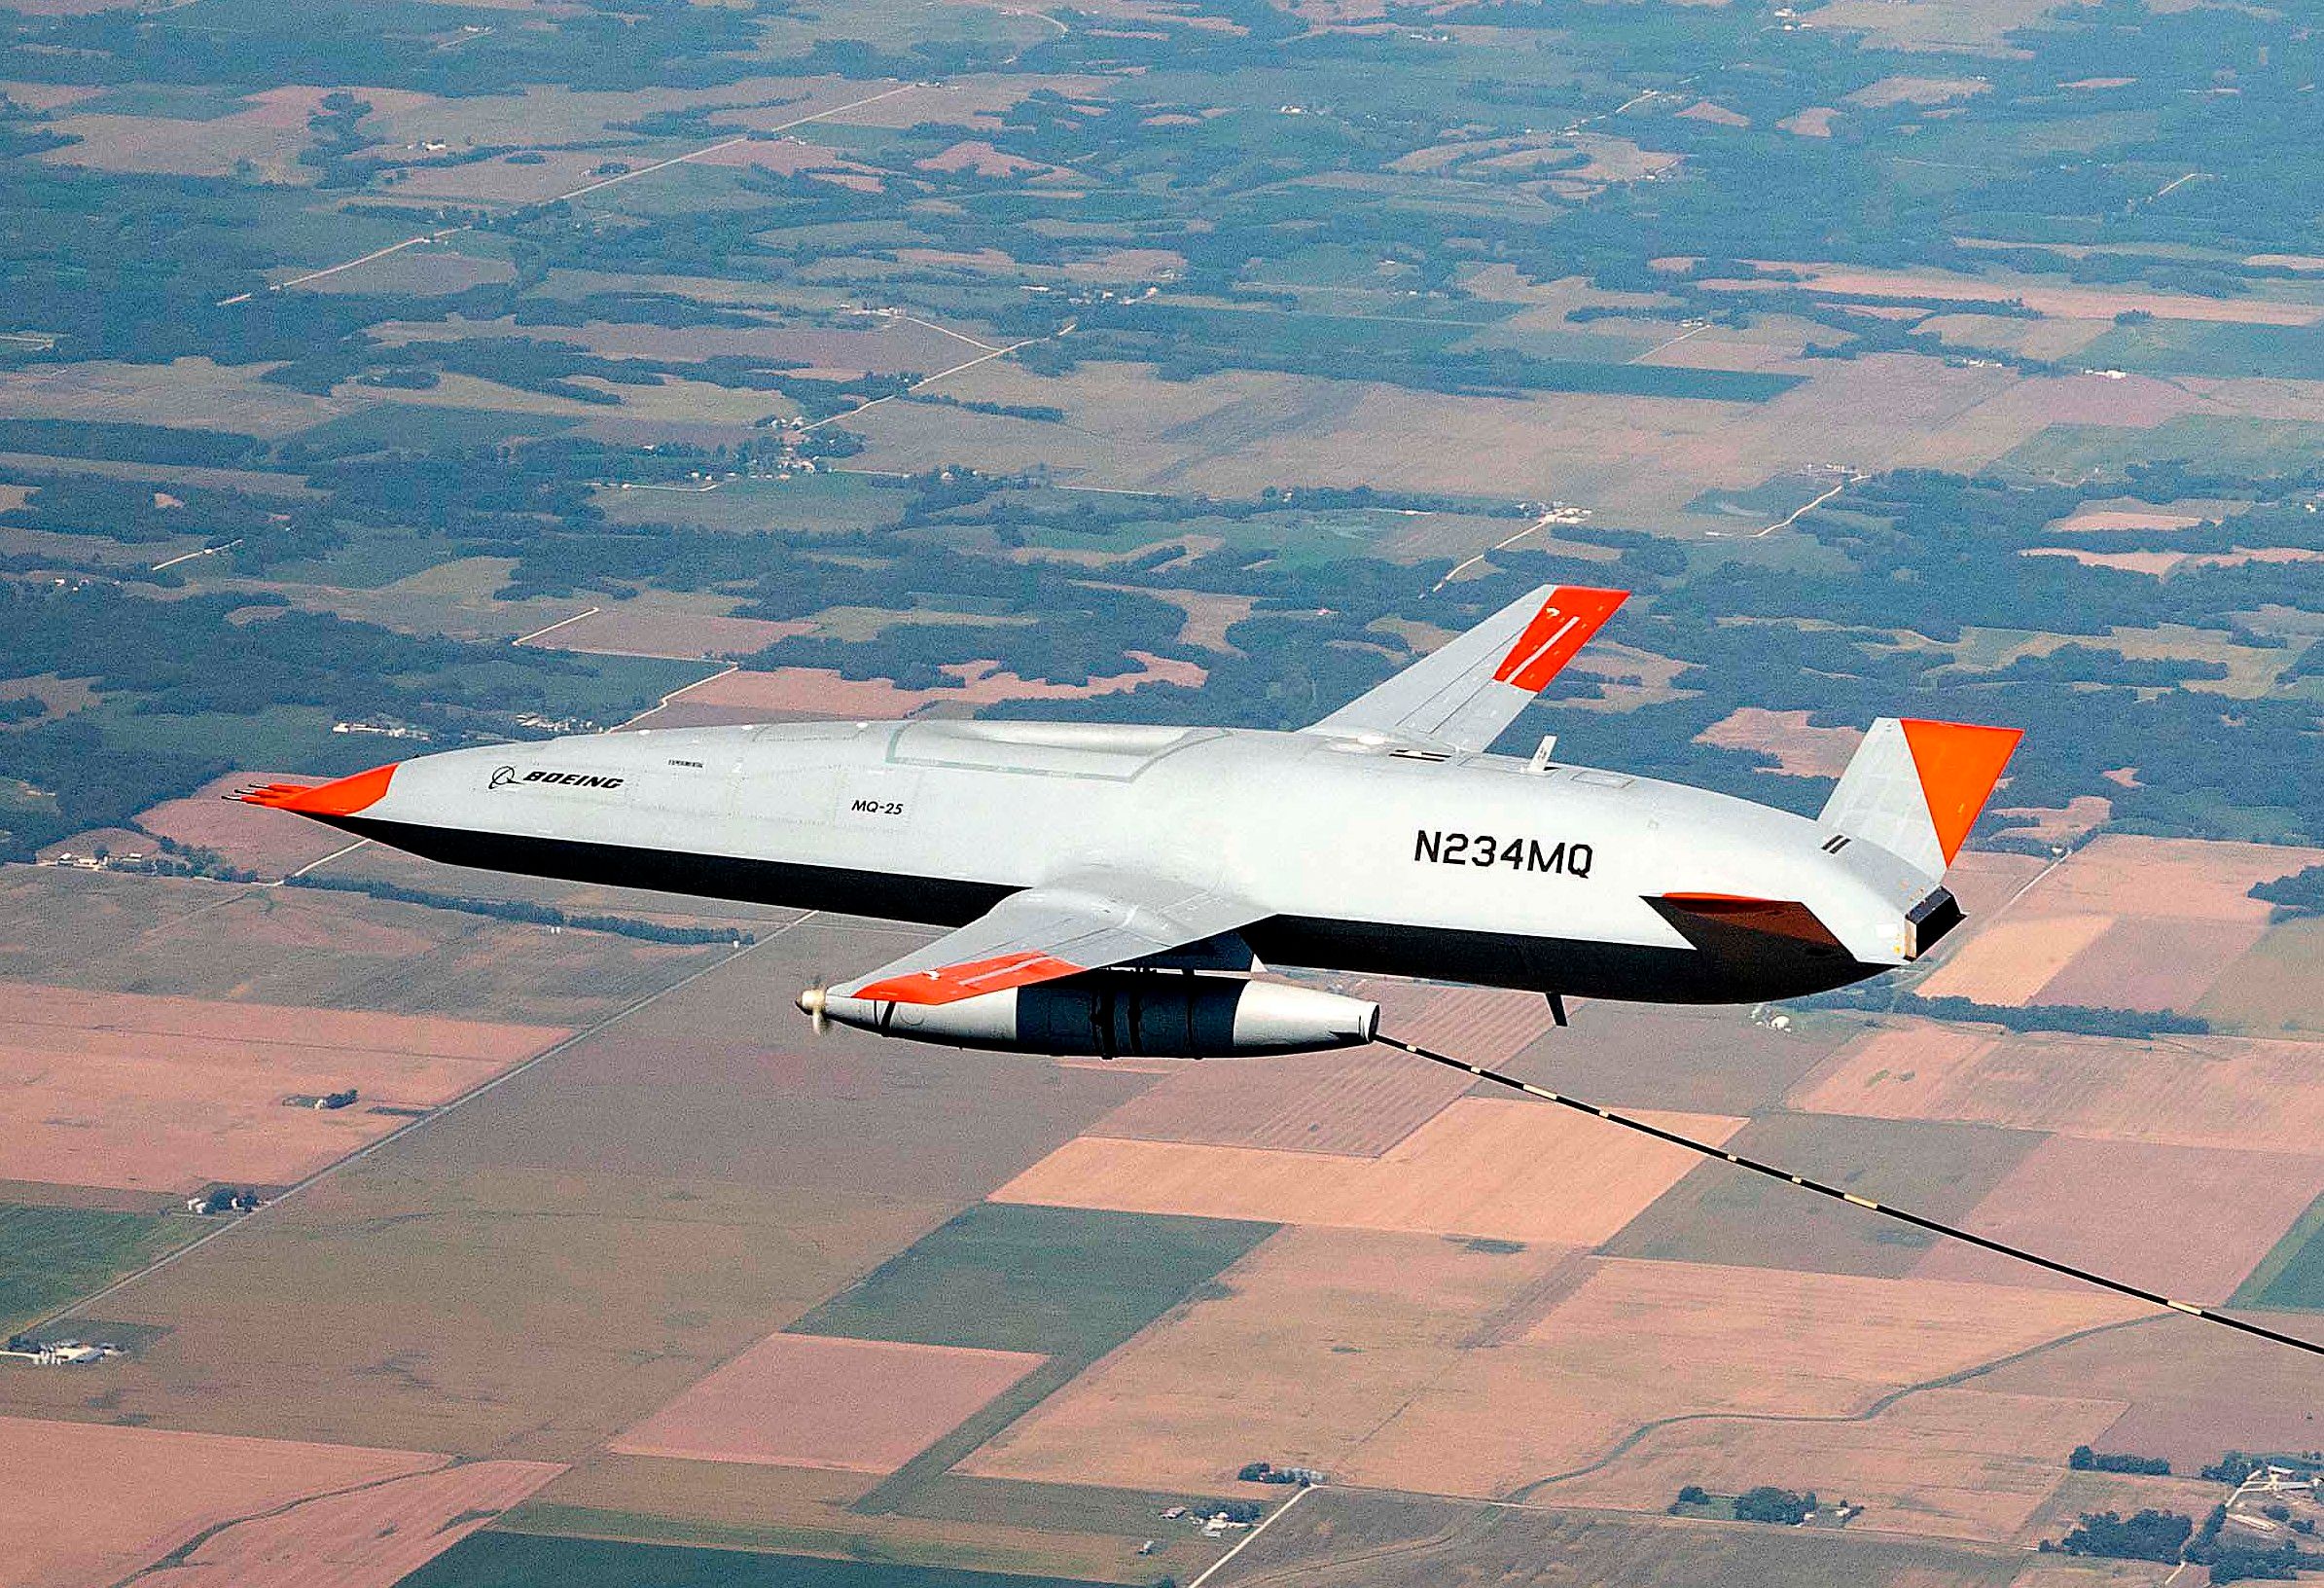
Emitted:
<point x="2236" y="1465"/>
<point x="538" y="915"/>
<point x="2298" y="895"/>
<point x="2085" y="1460"/>
<point x="1780" y="1507"/>
<point x="2086" y="1020"/>
<point x="2150" y="1536"/>
<point x="238" y="656"/>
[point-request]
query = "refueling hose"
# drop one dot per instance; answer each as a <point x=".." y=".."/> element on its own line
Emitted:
<point x="1772" y="1172"/>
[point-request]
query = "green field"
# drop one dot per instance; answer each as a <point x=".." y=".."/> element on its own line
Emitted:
<point x="1062" y="1282"/>
<point x="828" y="504"/>
<point x="2291" y="1277"/>
<point x="2223" y="443"/>
<point x="49" y="1255"/>
<point x="1717" y="1215"/>
<point x="522" y="1560"/>
<point x="1070" y="1283"/>
<point x="2283" y="353"/>
<point x="420" y="427"/>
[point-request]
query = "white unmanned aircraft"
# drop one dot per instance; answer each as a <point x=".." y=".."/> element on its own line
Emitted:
<point x="1110" y="887"/>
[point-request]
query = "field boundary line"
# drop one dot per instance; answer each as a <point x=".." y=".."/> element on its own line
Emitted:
<point x="985" y="357"/>
<point x="490" y="1084"/>
<point x="180" y="1555"/>
<point x="581" y="191"/>
<point x="1521" y="1497"/>
<point x="731" y="666"/>
<point x="527" y="639"/>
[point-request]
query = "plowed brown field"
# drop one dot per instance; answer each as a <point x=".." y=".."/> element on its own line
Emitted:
<point x="92" y="1502"/>
<point x="2202" y="1092"/>
<point x="170" y="1094"/>
<point x="1517" y="1169"/>
<point x="370" y="1538"/>
<point x="2188" y="1221"/>
<point x="805" y="1400"/>
<point x="2012" y="960"/>
<point x="266" y="841"/>
<point x="1358" y="1103"/>
<point x="1948" y="1463"/>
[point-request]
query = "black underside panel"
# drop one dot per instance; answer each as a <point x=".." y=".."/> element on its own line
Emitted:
<point x="1735" y="966"/>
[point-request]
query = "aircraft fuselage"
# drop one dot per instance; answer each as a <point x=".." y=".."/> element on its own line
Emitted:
<point x="1364" y="856"/>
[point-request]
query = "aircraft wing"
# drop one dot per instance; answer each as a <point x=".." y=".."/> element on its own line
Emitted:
<point x="1044" y="933"/>
<point x="1461" y="696"/>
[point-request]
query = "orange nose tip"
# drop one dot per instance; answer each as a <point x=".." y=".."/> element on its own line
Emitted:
<point x="344" y="797"/>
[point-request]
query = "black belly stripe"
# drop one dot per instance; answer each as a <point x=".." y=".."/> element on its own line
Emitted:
<point x="1740" y="968"/>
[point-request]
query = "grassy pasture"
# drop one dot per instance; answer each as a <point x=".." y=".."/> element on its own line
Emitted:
<point x="519" y="1560"/>
<point x="49" y="1255"/>
<point x="1068" y="1282"/>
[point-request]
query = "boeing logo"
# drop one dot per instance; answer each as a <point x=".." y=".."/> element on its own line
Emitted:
<point x="569" y="779"/>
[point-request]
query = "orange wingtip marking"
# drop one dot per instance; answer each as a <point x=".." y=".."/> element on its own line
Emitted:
<point x="952" y="982"/>
<point x="1562" y="627"/>
<point x="1958" y="763"/>
<point x="342" y="798"/>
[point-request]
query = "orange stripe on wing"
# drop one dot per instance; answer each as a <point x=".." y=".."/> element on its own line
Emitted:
<point x="950" y="983"/>
<point x="1562" y="627"/>
<point x="344" y="797"/>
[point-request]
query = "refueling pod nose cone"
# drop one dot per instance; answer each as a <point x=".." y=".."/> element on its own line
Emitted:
<point x="815" y="1004"/>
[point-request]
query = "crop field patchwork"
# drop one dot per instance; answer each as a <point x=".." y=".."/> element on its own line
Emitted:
<point x="2191" y="1391"/>
<point x="1450" y="1367"/>
<point x="1381" y="1318"/>
<point x="94" y="1503"/>
<point x="1484" y="1166"/>
<point x="369" y="1536"/>
<point x="2241" y="1093"/>
<point x="51" y="1254"/>
<point x="2272" y="989"/>
<point x="170" y="1094"/>
<point x="304" y="948"/>
<point x="800" y="694"/>
<point x="1350" y="1538"/>
<point x="2190" y="1222"/>
<point x="1968" y="1464"/>
<point x="2012" y="960"/>
<point x="1721" y="1214"/>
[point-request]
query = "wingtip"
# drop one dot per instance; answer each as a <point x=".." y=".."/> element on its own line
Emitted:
<point x="1569" y="615"/>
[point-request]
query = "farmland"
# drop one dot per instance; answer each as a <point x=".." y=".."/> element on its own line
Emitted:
<point x="434" y="376"/>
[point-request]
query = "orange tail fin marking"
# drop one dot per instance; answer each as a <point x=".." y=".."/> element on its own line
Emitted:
<point x="1958" y="763"/>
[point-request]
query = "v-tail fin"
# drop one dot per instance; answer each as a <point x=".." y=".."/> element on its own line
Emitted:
<point x="1916" y="787"/>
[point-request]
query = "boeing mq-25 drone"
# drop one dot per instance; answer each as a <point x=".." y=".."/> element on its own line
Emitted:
<point x="1112" y="889"/>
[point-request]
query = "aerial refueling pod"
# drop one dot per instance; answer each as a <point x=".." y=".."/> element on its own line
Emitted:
<point x="1125" y="1014"/>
